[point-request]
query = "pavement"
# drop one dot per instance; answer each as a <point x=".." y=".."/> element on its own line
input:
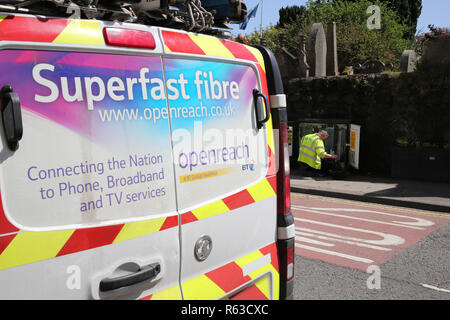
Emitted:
<point x="423" y="195"/>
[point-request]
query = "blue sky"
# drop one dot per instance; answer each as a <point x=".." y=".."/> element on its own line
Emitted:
<point x="434" y="12"/>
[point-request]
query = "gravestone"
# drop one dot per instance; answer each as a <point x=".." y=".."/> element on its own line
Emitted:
<point x="408" y="61"/>
<point x="332" y="57"/>
<point x="317" y="51"/>
<point x="303" y="58"/>
<point x="287" y="62"/>
<point x="372" y="66"/>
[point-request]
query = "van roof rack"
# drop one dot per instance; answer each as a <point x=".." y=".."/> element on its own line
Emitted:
<point x="202" y="16"/>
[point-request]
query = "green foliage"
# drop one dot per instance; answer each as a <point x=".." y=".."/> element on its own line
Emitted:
<point x="356" y="43"/>
<point x="408" y="11"/>
<point x="289" y="15"/>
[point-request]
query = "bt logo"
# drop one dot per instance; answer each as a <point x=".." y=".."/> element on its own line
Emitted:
<point x="249" y="166"/>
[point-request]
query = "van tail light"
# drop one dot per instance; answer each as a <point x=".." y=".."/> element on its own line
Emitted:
<point x="286" y="256"/>
<point x="285" y="220"/>
<point x="130" y="38"/>
<point x="288" y="271"/>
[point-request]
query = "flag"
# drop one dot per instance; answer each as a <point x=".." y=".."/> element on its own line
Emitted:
<point x="251" y="14"/>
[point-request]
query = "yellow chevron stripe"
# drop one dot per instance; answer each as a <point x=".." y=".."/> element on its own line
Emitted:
<point x="86" y="32"/>
<point x="210" y="210"/>
<point x="258" y="55"/>
<point x="263" y="284"/>
<point x="276" y="282"/>
<point x="261" y="190"/>
<point x="248" y="258"/>
<point x="211" y="46"/>
<point x="172" y="293"/>
<point x="2" y="16"/>
<point x="269" y="130"/>
<point x="28" y="247"/>
<point x="201" y="288"/>
<point x="137" y="229"/>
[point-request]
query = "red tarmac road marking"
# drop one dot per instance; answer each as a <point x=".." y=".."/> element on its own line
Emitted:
<point x="357" y="235"/>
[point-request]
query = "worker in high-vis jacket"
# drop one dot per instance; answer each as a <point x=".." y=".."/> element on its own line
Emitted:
<point x="312" y="151"/>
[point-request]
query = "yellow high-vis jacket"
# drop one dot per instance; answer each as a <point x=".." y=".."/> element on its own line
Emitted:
<point x="312" y="150"/>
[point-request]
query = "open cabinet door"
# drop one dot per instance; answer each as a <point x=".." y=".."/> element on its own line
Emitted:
<point x="355" y="136"/>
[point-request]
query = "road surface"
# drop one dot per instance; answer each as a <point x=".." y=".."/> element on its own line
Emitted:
<point x="354" y="250"/>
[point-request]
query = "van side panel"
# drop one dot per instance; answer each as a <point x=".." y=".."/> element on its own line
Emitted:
<point x="233" y="202"/>
<point x="89" y="194"/>
<point x="102" y="184"/>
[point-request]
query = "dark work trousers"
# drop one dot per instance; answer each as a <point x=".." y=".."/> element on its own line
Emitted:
<point x="324" y="169"/>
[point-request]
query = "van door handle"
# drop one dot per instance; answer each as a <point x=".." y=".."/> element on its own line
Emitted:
<point x="146" y="273"/>
<point x="256" y="95"/>
<point x="11" y="117"/>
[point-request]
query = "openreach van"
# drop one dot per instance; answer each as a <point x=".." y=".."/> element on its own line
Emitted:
<point x="139" y="160"/>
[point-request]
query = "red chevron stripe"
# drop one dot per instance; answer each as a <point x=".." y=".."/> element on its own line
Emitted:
<point x="239" y="200"/>
<point x="5" y="225"/>
<point x="180" y="42"/>
<point x="5" y="241"/>
<point x="170" y="222"/>
<point x="251" y="293"/>
<point x="16" y="28"/>
<point x="147" y="297"/>
<point x="228" y="277"/>
<point x="188" y="217"/>
<point x="272" y="163"/>
<point x="239" y="50"/>
<point x="272" y="249"/>
<point x="273" y="182"/>
<point x="85" y="239"/>
<point x="265" y="87"/>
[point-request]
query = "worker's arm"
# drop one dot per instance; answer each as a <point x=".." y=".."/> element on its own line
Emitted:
<point x="320" y="150"/>
<point x="330" y="156"/>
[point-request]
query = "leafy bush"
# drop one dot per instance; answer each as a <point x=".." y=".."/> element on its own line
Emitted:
<point x="356" y="42"/>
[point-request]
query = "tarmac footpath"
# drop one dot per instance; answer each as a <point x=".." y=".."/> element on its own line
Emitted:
<point x="423" y="195"/>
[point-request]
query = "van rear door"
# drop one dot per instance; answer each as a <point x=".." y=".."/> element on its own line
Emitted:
<point x="224" y="167"/>
<point x="88" y="198"/>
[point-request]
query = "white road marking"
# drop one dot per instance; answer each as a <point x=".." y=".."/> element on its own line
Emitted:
<point x="387" y="239"/>
<point x="435" y="288"/>
<point x="418" y="224"/>
<point x="337" y="238"/>
<point x="307" y="240"/>
<point x="315" y="233"/>
<point x="333" y="253"/>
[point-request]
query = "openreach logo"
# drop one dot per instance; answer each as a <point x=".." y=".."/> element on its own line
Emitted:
<point x="205" y="147"/>
<point x="374" y="21"/>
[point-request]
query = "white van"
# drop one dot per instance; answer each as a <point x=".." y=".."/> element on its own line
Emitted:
<point x="140" y="162"/>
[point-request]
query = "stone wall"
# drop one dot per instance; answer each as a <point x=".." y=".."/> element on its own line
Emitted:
<point x="394" y="109"/>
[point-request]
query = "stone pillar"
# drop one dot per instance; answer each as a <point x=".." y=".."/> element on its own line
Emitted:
<point x="317" y="51"/>
<point x="408" y="61"/>
<point x="332" y="57"/>
<point x="303" y="57"/>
